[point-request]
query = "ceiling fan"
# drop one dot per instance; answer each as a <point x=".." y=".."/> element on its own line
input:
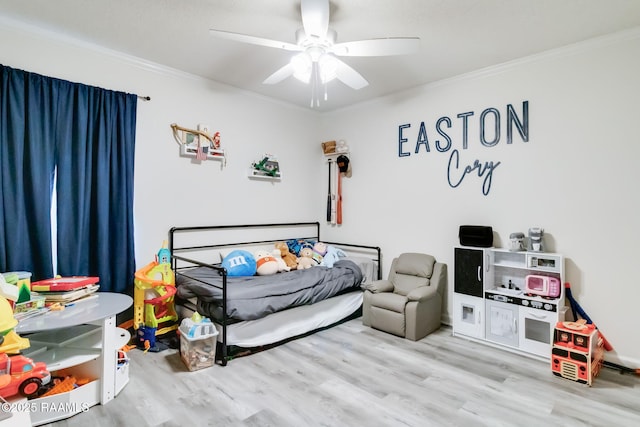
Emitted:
<point x="317" y="59"/>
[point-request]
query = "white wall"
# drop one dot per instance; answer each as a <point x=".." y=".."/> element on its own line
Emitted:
<point x="175" y="191"/>
<point x="577" y="176"/>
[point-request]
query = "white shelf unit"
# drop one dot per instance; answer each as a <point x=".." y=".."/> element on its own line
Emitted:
<point x="491" y="304"/>
<point x="83" y="342"/>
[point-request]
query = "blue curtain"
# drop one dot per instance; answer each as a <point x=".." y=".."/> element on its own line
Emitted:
<point x="88" y="135"/>
<point x="27" y="162"/>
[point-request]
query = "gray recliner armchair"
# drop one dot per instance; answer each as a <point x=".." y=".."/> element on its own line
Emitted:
<point x="409" y="302"/>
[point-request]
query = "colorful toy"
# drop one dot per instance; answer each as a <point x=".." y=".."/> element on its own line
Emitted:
<point x="21" y="281"/>
<point x="19" y="375"/>
<point x="306" y="259"/>
<point x="10" y="341"/>
<point x="266" y="264"/>
<point x="239" y="263"/>
<point x="577" y="311"/>
<point x="153" y="298"/>
<point x="296" y="245"/>
<point x="61" y="385"/>
<point x="268" y="166"/>
<point x="290" y="259"/>
<point x="578" y="351"/>
<point x="146" y="338"/>
<point x="8" y="290"/>
<point x="319" y="250"/>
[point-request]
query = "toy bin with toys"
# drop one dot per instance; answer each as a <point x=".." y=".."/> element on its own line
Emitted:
<point x="198" y="339"/>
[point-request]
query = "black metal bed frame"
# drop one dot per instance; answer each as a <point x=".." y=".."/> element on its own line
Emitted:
<point x="224" y="354"/>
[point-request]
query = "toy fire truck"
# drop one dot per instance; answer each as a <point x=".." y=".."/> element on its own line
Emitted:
<point x="578" y="351"/>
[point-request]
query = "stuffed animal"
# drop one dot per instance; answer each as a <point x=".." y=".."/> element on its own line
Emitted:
<point x="290" y="259"/>
<point x="319" y="249"/>
<point x="332" y="255"/>
<point x="282" y="266"/>
<point x="306" y="259"/>
<point x="266" y="264"/>
<point x="296" y="245"/>
<point x="240" y="263"/>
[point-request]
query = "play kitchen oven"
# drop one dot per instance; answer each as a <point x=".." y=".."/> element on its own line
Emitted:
<point x="521" y="321"/>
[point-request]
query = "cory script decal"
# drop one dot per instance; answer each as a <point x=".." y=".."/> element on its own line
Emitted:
<point x="489" y="126"/>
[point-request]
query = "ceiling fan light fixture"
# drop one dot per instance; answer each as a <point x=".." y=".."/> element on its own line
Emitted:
<point x="302" y="66"/>
<point x="317" y="61"/>
<point x="328" y="67"/>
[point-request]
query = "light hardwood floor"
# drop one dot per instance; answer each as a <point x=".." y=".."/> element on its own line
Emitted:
<point x="352" y="375"/>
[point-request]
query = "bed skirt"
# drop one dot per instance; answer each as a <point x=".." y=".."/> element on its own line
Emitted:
<point x="285" y="324"/>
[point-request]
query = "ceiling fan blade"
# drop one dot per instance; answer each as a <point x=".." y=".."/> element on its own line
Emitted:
<point x="378" y="47"/>
<point x="244" y="38"/>
<point x="279" y="75"/>
<point x="349" y="76"/>
<point x="315" y="17"/>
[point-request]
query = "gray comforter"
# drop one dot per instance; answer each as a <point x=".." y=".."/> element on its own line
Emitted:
<point x="253" y="297"/>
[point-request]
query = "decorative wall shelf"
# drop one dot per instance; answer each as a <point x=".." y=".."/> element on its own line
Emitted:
<point x="199" y="143"/>
<point x="255" y="174"/>
<point x="267" y="168"/>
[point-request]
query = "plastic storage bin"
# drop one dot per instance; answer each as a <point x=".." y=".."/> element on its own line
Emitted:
<point x="198" y="344"/>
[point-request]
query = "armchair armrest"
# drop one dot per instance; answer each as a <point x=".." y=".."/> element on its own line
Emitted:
<point x="422" y="293"/>
<point x="379" y="286"/>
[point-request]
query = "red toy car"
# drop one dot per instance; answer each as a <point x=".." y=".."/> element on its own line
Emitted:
<point x="19" y="374"/>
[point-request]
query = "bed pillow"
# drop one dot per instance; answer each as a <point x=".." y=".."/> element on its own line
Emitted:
<point x="239" y="263"/>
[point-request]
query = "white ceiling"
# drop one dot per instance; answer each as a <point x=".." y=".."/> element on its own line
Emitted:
<point x="457" y="36"/>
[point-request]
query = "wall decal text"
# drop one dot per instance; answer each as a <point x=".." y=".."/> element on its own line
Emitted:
<point x="489" y="134"/>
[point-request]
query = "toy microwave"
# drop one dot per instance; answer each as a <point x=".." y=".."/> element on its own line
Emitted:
<point x="545" y="286"/>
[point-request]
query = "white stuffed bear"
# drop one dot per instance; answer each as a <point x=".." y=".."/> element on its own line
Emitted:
<point x="266" y="264"/>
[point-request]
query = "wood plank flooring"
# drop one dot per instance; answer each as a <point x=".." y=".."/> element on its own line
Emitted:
<point x="352" y="375"/>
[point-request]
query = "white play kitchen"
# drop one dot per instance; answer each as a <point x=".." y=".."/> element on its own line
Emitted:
<point x="509" y="298"/>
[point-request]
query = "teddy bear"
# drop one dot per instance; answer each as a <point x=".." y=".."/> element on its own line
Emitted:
<point x="290" y="259"/>
<point x="266" y="264"/>
<point x="306" y="259"/>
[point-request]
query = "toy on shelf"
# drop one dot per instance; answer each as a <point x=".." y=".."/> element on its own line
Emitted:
<point x="267" y="167"/>
<point x="199" y="143"/>
<point x="10" y="341"/>
<point x="153" y="300"/>
<point x="18" y="374"/>
<point x="535" y="239"/>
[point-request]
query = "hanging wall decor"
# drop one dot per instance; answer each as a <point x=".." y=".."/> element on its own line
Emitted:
<point x="339" y="162"/>
<point x="199" y="143"/>
<point x="267" y="167"/>
<point x="486" y="130"/>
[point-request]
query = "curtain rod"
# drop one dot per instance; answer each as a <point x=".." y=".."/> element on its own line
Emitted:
<point x="144" y="98"/>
